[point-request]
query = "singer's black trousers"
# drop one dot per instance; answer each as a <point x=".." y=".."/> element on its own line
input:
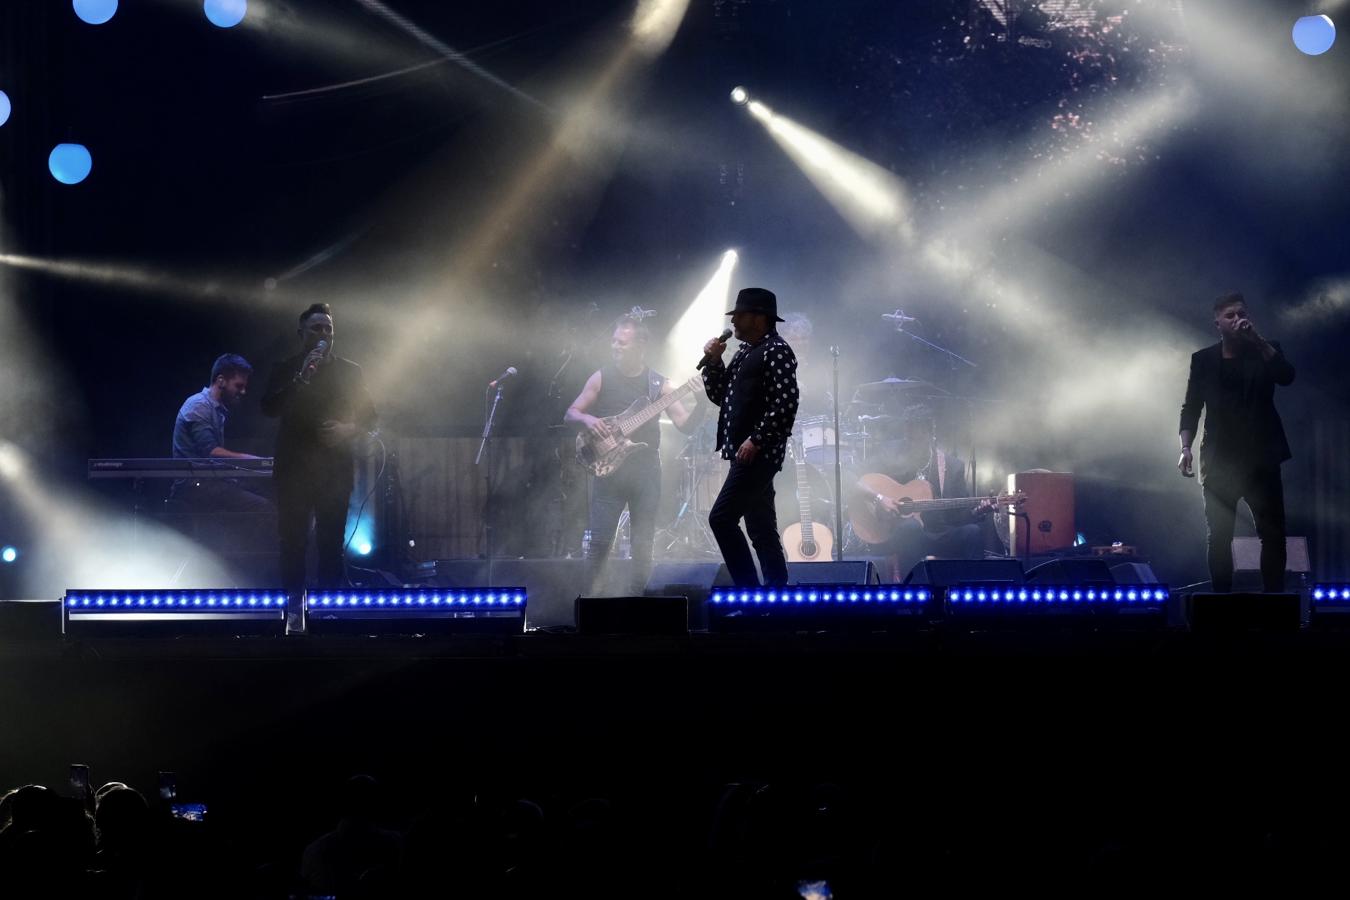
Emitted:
<point x="1263" y="489"/>
<point x="304" y="497"/>
<point x="748" y="494"/>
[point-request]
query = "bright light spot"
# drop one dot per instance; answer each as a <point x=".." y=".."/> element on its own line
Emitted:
<point x="869" y="197"/>
<point x="706" y="315"/>
<point x="5" y="107"/>
<point x="225" y="13"/>
<point x="9" y="554"/>
<point x="364" y="548"/>
<point x="656" y="21"/>
<point x="1314" y="35"/>
<point x="738" y="95"/>
<point x="70" y="163"/>
<point x="95" y="12"/>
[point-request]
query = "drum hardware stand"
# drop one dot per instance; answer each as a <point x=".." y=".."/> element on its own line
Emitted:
<point x="690" y="526"/>
<point x="838" y="464"/>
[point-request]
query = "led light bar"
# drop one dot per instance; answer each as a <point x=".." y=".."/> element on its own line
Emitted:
<point x="1329" y="604"/>
<point x="1002" y="600"/>
<point x="815" y="606"/>
<point x="1330" y="596"/>
<point x="498" y="610"/>
<point x="129" y="613"/>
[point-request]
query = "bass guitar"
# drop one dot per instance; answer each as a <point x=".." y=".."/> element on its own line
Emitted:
<point x="604" y="456"/>
<point x="875" y="524"/>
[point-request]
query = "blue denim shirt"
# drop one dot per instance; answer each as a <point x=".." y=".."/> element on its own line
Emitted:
<point x="200" y="426"/>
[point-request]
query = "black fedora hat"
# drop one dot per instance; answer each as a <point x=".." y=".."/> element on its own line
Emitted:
<point x="757" y="300"/>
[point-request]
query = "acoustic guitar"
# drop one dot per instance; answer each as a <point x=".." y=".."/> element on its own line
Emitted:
<point x="875" y="524"/>
<point x="604" y="456"/>
<point x="805" y="541"/>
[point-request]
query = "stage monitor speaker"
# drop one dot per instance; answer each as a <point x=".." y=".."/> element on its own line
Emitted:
<point x="1044" y="523"/>
<point x="947" y="572"/>
<point x="1077" y="571"/>
<point x="1134" y="573"/>
<point x="664" y="615"/>
<point x="1211" y="613"/>
<point x="851" y="571"/>
<point x="690" y="579"/>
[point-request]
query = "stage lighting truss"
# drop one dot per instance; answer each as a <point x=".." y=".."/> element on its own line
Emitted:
<point x="418" y="610"/>
<point x="1007" y="601"/>
<point x="149" y="612"/>
<point x="816" y="606"/>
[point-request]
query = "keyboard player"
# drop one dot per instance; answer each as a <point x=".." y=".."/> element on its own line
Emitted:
<point x="199" y="433"/>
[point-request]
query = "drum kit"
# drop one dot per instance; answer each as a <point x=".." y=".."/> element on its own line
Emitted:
<point x="873" y="424"/>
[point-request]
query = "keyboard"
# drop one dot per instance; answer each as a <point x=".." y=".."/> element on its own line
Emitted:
<point x="168" y="467"/>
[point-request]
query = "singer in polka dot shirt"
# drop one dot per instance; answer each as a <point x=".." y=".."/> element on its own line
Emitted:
<point x="758" y="396"/>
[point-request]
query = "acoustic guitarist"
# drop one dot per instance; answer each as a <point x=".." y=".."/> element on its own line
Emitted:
<point x="961" y="533"/>
<point x="637" y="483"/>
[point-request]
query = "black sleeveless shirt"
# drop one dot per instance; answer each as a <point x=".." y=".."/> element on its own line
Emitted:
<point x="618" y="391"/>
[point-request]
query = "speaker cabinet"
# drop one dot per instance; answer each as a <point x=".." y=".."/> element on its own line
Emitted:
<point x="633" y="615"/>
<point x="1087" y="571"/>
<point x="947" y="572"/>
<point x="1043" y="523"/>
<point x="859" y="571"/>
<point x="1210" y="613"/>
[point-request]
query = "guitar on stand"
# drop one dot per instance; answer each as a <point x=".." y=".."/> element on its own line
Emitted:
<point x="604" y="456"/>
<point x="875" y="524"/>
<point x="805" y="541"/>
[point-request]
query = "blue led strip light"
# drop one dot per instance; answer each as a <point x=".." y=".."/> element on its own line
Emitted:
<point x="420" y="600"/>
<point x="1056" y="597"/>
<point x="1331" y="594"/>
<point x="819" y="595"/>
<point x="222" y="601"/>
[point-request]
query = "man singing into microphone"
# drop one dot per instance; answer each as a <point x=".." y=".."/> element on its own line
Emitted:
<point x="324" y="407"/>
<point x="758" y="396"/>
<point x="1234" y="382"/>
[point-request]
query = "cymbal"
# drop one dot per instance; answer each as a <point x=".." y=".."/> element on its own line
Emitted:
<point x="895" y="385"/>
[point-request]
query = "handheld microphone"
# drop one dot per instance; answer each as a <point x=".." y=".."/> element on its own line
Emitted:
<point x="726" y="333"/>
<point x="510" y="371"/>
<point x="312" y="361"/>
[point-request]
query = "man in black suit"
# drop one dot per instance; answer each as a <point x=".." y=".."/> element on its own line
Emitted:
<point x="1234" y="382"/>
<point x="325" y="410"/>
<point x="758" y="395"/>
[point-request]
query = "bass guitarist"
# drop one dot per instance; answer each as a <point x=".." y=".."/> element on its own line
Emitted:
<point x="637" y="482"/>
<point x="961" y="533"/>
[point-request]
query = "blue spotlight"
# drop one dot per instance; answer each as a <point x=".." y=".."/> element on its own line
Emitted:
<point x="225" y="13"/>
<point x="9" y="554"/>
<point x="5" y="107"/>
<point x="70" y="163"/>
<point x="1314" y="35"/>
<point x="95" y="12"/>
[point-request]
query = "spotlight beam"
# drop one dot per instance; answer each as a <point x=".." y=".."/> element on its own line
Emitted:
<point x="446" y="51"/>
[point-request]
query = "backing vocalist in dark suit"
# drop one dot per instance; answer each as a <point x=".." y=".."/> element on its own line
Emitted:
<point x="324" y="408"/>
<point x="1244" y="442"/>
<point x="758" y="396"/>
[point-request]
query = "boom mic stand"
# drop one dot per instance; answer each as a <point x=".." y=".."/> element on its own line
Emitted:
<point x="487" y="444"/>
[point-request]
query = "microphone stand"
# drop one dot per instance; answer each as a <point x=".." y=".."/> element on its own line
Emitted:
<point x="957" y="357"/>
<point x="486" y="444"/>
<point x="838" y="470"/>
